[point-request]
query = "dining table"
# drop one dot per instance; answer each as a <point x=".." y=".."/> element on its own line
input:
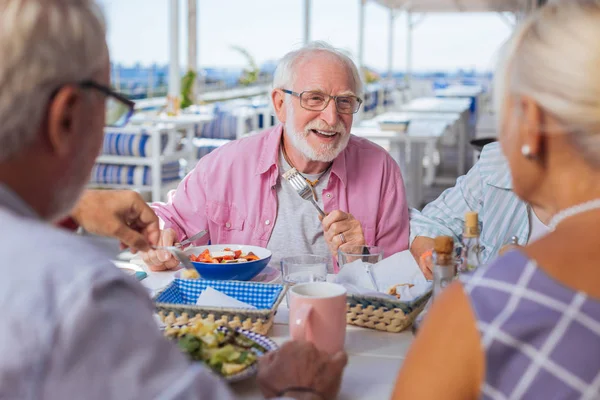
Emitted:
<point x="408" y="148"/>
<point x="437" y="105"/>
<point x="374" y="357"/>
<point x="459" y="91"/>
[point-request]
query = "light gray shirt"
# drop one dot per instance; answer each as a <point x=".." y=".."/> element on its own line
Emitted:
<point x="297" y="229"/>
<point x="76" y="327"/>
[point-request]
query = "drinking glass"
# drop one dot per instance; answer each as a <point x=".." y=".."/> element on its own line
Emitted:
<point x="369" y="255"/>
<point x="303" y="268"/>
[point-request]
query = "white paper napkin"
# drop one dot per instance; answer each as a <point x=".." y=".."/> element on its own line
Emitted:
<point x="396" y="269"/>
<point x="213" y="298"/>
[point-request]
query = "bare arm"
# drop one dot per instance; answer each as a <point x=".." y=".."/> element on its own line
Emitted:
<point x="122" y="214"/>
<point x="446" y="360"/>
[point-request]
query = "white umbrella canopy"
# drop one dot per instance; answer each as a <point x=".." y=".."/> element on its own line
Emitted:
<point x="418" y="6"/>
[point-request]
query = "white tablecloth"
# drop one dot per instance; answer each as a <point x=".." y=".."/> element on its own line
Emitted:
<point x="374" y="357"/>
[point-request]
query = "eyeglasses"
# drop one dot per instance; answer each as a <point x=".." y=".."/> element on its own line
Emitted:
<point x="318" y="101"/>
<point x="118" y="107"/>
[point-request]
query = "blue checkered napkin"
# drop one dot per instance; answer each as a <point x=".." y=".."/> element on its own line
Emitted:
<point x="186" y="291"/>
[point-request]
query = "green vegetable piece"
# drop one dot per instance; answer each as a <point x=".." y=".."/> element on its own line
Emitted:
<point x="218" y="367"/>
<point x="192" y="346"/>
<point x="233" y="356"/>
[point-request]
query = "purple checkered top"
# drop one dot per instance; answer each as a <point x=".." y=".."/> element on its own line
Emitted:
<point x="541" y="339"/>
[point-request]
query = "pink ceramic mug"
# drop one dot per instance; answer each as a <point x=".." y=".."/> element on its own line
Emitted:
<point x="318" y="315"/>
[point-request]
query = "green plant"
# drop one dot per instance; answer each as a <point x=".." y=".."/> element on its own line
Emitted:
<point x="187" y="88"/>
<point x="251" y="73"/>
<point x="370" y="75"/>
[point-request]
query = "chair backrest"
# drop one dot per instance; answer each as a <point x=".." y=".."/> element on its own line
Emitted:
<point x="135" y="140"/>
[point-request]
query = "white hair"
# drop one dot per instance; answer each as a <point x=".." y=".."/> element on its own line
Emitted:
<point x="554" y="58"/>
<point x="285" y="73"/>
<point x="43" y="44"/>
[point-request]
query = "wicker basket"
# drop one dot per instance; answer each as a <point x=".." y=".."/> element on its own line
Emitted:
<point x="384" y="315"/>
<point x="259" y="321"/>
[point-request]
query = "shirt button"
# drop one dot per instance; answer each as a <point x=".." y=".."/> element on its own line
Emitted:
<point x="328" y="195"/>
<point x="267" y="222"/>
<point x="228" y="225"/>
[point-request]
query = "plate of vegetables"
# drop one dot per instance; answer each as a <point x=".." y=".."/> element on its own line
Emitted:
<point x="231" y="353"/>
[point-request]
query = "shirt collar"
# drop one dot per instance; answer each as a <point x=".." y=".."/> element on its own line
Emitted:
<point x="12" y="201"/>
<point x="270" y="155"/>
<point x="502" y="179"/>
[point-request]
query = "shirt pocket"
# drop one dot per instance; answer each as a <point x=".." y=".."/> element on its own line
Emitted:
<point x="224" y="219"/>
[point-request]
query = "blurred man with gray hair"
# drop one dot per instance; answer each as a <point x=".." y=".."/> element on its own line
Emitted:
<point x="74" y="326"/>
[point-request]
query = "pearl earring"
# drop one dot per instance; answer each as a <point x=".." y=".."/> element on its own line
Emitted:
<point x="526" y="151"/>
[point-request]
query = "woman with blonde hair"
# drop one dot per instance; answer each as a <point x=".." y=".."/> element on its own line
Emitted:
<point x="528" y="325"/>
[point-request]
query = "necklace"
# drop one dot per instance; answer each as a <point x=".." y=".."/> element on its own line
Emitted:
<point x="312" y="184"/>
<point x="571" y="211"/>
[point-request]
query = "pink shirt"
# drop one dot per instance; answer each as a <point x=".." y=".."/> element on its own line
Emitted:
<point x="231" y="192"/>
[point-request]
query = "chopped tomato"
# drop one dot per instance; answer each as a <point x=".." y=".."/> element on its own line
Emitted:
<point x="205" y="253"/>
<point x="206" y="257"/>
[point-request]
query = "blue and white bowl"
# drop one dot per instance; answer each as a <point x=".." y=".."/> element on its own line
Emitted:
<point x="233" y="271"/>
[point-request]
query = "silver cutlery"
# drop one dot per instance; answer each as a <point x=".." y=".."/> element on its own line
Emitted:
<point x="182" y="243"/>
<point x="177" y="250"/>
<point x="182" y="257"/>
<point x="302" y="187"/>
<point x="369" y="269"/>
<point x="193" y="238"/>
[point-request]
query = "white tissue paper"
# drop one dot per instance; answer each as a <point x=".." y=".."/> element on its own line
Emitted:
<point x="396" y="269"/>
<point x="213" y="298"/>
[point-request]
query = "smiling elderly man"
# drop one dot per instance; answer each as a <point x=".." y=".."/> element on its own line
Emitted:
<point x="74" y="326"/>
<point x="237" y="192"/>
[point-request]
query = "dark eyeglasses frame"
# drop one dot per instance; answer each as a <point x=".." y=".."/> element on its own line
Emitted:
<point x="329" y="97"/>
<point x="108" y="92"/>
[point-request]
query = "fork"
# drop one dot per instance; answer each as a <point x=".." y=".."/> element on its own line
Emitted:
<point x="302" y="187"/>
<point x="183" y="243"/>
<point x="369" y="271"/>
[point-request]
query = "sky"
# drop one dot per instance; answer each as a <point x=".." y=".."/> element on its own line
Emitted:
<point x="138" y="32"/>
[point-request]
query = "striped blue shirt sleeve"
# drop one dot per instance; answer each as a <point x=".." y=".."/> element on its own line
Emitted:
<point x="445" y="215"/>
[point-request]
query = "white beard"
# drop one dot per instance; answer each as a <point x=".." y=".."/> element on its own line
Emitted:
<point x="326" y="152"/>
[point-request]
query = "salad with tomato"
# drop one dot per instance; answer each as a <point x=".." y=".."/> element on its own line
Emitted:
<point x="224" y="257"/>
